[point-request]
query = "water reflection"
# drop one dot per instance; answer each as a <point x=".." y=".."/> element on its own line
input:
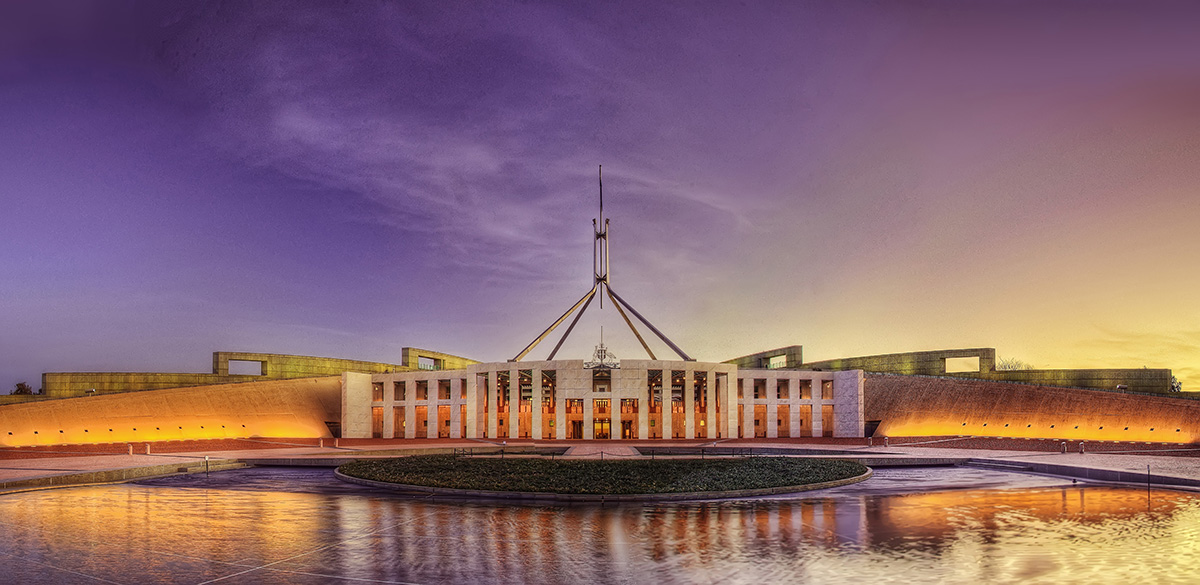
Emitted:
<point x="139" y="534"/>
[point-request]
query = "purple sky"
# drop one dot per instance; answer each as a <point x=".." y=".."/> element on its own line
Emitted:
<point x="347" y="179"/>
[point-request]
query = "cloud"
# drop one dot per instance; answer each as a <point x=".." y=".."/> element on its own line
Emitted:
<point x="461" y="131"/>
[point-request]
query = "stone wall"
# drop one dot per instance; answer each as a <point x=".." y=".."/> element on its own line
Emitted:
<point x="793" y="356"/>
<point x="925" y="406"/>
<point x="273" y="367"/>
<point x="411" y="357"/>
<point x="933" y="363"/>
<point x="275" y="408"/>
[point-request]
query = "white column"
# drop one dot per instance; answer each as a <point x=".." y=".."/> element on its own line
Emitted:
<point x="614" y="417"/>
<point x="667" y="415"/>
<point x="794" y="405"/>
<point x="456" y="392"/>
<point x="588" y="408"/>
<point x="560" y="413"/>
<point x="748" y="407"/>
<point x="730" y="406"/>
<point x="643" y="406"/>
<point x="471" y="395"/>
<point x="535" y="405"/>
<point x="389" y="411"/>
<point x="771" y="387"/>
<point x="432" y="410"/>
<point x="410" y="412"/>
<point x="514" y="403"/>
<point x="711" y="404"/>
<point x="689" y="404"/>
<point x="817" y="431"/>
<point x="493" y="426"/>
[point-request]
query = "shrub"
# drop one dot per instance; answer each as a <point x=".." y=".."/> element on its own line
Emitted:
<point x="575" y="476"/>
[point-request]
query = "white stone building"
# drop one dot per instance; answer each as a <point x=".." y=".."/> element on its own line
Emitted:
<point x="622" y="401"/>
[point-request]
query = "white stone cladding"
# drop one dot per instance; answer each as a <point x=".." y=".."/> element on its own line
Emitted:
<point x="474" y="397"/>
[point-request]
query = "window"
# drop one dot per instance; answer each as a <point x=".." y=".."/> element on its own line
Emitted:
<point x="247" y="368"/>
<point x="962" y="364"/>
<point x="776" y="361"/>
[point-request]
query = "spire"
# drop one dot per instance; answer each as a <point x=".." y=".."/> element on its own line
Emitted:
<point x="602" y="284"/>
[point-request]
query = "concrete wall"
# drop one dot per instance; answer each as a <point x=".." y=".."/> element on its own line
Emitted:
<point x="356" y="405"/>
<point x="79" y="384"/>
<point x="933" y="363"/>
<point x="279" y="366"/>
<point x="21" y="398"/>
<point x="793" y="356"/>
<point x="273" y="367"/>
<point x="410" y="357"/>
<point x="923" y="406"/>
<point x="928" y="363"/>
<point x="276" y="408"/>
<point x="1156" y="380"/>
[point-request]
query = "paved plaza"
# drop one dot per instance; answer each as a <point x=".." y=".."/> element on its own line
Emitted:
<point x="1178" y="468"/>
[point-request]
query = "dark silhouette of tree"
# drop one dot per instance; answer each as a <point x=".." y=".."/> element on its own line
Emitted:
<point x="1012" y="364"/>
<point x="23" y="388"/>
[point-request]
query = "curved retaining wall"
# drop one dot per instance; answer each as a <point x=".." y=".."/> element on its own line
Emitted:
<point x="275" y="408"/>
<point x="926" y="406"/>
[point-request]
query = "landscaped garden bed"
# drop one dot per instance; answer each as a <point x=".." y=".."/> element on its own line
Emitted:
<point x="575" y="476"/>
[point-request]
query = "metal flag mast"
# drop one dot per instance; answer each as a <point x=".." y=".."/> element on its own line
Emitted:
<point x="601" y="284"/>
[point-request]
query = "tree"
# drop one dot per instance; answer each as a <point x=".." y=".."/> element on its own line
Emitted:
<point x="23" y="388"/>
<point x="1176" y="385"/>
<point x="1012" y="364"/>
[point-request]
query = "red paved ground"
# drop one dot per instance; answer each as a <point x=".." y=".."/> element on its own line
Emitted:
<point x="995" y="443"/>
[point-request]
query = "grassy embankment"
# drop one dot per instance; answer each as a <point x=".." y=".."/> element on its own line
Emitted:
<point x="575" y="476"/>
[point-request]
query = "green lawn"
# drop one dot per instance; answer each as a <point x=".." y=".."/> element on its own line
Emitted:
<point x="639" y="476"/>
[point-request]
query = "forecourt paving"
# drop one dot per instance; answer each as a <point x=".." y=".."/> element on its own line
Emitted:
<point x="1165" y="471"/>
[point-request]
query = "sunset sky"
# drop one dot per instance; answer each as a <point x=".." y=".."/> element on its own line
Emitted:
<point x="347" y="179"/>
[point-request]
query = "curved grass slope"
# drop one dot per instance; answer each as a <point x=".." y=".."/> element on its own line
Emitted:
<point x="638" y="476"/>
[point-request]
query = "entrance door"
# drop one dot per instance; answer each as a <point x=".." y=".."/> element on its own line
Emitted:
<point x="627" y="429"/>
<point x="576" y="430"/>
<point x="600" y="428"/>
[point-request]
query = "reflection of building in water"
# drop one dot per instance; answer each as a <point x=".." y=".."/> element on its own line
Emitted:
<point x="964" y="536"/>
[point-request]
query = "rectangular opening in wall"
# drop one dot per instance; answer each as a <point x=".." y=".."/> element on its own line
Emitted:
<point x="427" y="363"/>
<point x="776" y="361"/>
<point x="962" y="365"/>
<point x="247" y="368"/>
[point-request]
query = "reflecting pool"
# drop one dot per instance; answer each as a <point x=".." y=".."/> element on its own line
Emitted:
<point x="245" y="529"/>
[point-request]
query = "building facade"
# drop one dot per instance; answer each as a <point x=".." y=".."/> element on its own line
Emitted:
<point x="632" y="399"/>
